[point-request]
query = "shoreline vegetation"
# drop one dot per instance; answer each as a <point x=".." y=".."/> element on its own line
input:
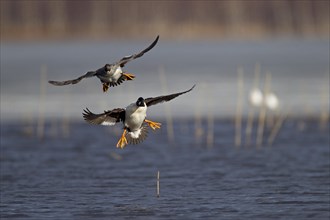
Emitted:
<point x="61" y="20"/>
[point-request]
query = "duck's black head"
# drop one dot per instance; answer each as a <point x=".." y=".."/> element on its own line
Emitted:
<point x="107" y="67"/>
<point x="140" y="102"/>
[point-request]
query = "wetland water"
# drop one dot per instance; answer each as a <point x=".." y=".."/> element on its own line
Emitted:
<point x="84" y="176"/>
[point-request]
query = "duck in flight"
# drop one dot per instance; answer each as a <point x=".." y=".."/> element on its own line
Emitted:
<point x="133" y="118"/>
<point x="110" y="74"/>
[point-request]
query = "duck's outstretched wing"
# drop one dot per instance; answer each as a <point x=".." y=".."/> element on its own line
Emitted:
<point x="106" y="118"/>
<point x="73" y="81"/>
<point x="126" y="59"/>
<point x="165" y="98"/>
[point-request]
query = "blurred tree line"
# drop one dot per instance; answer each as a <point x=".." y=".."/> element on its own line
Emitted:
<point x="59" y="19"/>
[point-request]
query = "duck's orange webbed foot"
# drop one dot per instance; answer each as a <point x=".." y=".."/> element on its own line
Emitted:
<point x="153" y="125"/>
<point x="122" y="141"/>
<point x="129" y="76"/>
<point x="106" y="86"/>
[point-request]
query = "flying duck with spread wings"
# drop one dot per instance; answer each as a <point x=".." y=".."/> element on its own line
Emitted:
<point x="133" y="118"/>
<point x="110" y="74"/>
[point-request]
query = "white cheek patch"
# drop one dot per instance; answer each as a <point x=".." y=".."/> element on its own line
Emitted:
<point x="135" y="134"/>
<point x="107" y="123"/>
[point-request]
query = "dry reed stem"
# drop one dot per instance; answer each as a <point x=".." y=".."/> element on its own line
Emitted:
<point x="263" y="111"/>
<point x="158" y="185"/>
<point x="41" y="116"/>
<point x="276" y="128"/>
<point x="249" y="126"/>
<point x="66" y="119"/>
<point x="199" y="131"/>
<point x="210" y="119"/>
<point x="168" y="113"/>
<point x="238" y="118"/>
<point x="324" y="115"/>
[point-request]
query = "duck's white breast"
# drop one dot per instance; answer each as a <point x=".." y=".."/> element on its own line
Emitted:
<point x="116" y="73"/>
<point x="135" y="116"/>
<point x="113" y="75"/>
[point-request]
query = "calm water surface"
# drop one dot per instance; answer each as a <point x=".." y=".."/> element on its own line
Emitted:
<point x="84" y="176"/>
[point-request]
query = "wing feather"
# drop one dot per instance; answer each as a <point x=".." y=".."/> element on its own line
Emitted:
<point x="166" y="98"/>
<point x="106" y="118"/>
<point x="74" y="81"/>
<point x="126" y="59"/>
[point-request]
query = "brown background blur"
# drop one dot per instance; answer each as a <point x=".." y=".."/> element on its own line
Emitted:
<point x="34" y="19"/>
